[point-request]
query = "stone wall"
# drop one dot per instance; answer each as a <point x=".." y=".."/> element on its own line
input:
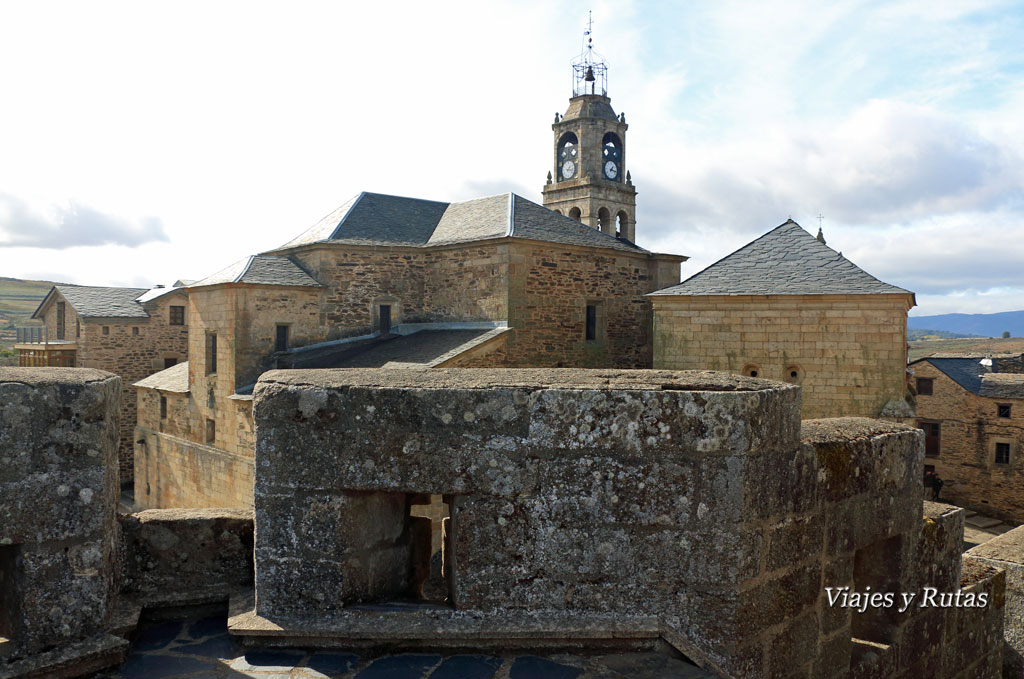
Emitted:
<point x="132" y="348"/>
<point x="550" y="287"/>
<point x="176" y="472"/>
<point x="58" y="498"/>
<point x="603" y="505"/>
<point x="848" y="351"/>
<point x="1006" y="552"/>
<point x="969" y="430"/>
<point x="186" y="554"/>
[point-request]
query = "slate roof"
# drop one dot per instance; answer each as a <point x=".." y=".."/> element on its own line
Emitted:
<point x="379" y="219"/>
<point x="785" y="261"/>
<point x="95" y="302"/>
<point x="1002" y="385"/>
<point x="261" y="270"/>
<point x="424" y="349"/>
<point x="966" y="372"/>
<point x="173" y="379"/>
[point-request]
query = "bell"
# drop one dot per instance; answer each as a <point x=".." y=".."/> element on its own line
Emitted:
<point x="589" y="77"/>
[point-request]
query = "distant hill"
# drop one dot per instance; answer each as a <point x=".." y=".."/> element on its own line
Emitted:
<point x="915" y="334"/>
<point x="972" y="325"/>
<point x="19" y="298"/>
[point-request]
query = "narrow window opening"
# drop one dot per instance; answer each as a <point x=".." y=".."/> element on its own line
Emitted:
<point x="1004" y="409"/>
<point x="591" y="332"/>
<point x="78" y="329"/>
<point x="170" y="362"/>
<point x="1002" y="453"/>
<point x="925" y="386"/>
<point x="211" y="353"/>
<point x="281" y="341"/>
<point x="106" y="329"/>
<point x="163" y="407"/>
<point x="211" y="431"/>
<point x="135" y="331"/>
<point x="432" y="568"/>
<point x="385" y="319"/>
<point x="60" y="320"/>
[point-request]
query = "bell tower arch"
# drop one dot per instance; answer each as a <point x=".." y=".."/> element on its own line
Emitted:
<point x="589" y="180"/>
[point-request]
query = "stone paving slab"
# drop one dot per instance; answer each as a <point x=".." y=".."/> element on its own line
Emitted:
<point x="203" y="649"/>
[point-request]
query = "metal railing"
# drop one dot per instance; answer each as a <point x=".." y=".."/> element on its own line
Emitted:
<point x="32" y="335"/>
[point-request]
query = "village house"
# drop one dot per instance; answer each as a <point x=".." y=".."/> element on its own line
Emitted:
<point x="788" y="307"/>
<point x="131" y="332"/>
<point x="972" y="412"/>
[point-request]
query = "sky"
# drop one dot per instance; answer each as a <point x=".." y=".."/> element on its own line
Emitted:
<point x="141" y="143"/>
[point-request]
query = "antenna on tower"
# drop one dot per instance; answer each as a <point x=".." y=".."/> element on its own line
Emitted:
<point x="589" y="67"/>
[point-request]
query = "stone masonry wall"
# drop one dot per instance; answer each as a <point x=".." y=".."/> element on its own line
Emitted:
<point x="186" y="553"/>
<point x="550" y="288"/>
<point x="1006" y="552"/>
<point x="849" y="351"/>
<point x="58" y="498"/>
<point x="587" y="503"/>
<point x="132" y="349"/>
<point x="969" y="430"/>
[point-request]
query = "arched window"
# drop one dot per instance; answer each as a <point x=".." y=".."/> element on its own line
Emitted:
<point x="611" y="156"/>
<point x="604" y="219"/>
<point x="620" y="225"/>
<point x="567" y="159"/>
<point x="575" y="213"/>
<point x="557" y="212"/>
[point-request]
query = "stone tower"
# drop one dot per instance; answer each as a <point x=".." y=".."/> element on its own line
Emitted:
<point x="589" y="181"/>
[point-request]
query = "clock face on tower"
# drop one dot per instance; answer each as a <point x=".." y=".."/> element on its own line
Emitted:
<point x="568" y="169"/>
<point x="611" y="170"/>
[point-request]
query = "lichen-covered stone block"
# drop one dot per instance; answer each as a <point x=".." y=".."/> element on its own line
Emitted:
<point x="58" y="499"/>
<point x="178" y="553"/>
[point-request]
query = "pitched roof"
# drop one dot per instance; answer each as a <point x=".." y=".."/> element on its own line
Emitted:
<point x="379" y="219"/>
<point x="96" y="302"/>
<point x="966" y="372"/>
<point x="173" y="379"/>
<point x="158" y="291"/>
<point x="1002" y="385"/>
<point x="261" y="270"/>
<point x="785" y="261"/>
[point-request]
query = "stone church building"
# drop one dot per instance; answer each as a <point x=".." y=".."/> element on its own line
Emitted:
<point x="384" y="280"/>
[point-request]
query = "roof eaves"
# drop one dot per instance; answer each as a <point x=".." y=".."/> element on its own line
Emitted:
<point x="347" y="213"/>
<point x="245" y="269"/>
<point x="49" y="295"/>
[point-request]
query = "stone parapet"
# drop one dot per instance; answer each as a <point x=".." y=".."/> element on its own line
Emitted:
<point x="58" y="498"/>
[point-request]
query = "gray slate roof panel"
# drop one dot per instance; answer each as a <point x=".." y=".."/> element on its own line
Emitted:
<point x="94" y="302"/>
<point x="785" y="261"/>
<point x="379" y="219"/>
<point x="1002" y="385"/>
<point x="261" y="270"/>
<point x="966" y="372"/>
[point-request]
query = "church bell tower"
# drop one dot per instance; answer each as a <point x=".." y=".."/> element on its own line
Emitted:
<point x="589" y="181"/>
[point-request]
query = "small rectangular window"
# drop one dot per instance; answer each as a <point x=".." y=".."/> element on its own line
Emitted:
<point x="211" y="353"/>
<point x="591" y="331"/>
<point x="135" y="331"/>
<point x="281" y="343"/>
<point x="60" y="320"/>
<point x="932" y="437"/>
<point x="211" y="431"/>
<point x="163" y="407"/>
<point x="1002" y="453"/>
<point x="1004" y="409"/>
<point x="106" y="329"/>
<point x="170" y="362"/>
<point x="177" y="315"/>
<point x="78" y="329"/>
<point x="925" y="385"/>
